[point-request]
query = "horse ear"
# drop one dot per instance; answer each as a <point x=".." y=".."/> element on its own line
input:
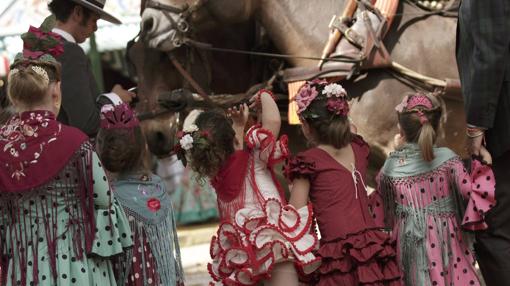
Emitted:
<point x="176" y="100"/>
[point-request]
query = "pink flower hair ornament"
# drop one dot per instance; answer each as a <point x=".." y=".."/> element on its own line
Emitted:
<point x="118" y="116"/>
<point x="318" y="89"/>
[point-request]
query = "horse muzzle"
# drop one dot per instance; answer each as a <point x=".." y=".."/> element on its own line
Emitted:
<point x="163" y="31"/>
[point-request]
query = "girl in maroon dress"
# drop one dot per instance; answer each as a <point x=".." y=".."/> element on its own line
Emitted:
<point x="260" y="238"/>
<point x="331" y="175"/>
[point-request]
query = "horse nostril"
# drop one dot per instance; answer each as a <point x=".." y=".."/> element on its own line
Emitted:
<point x="147" y="25"/>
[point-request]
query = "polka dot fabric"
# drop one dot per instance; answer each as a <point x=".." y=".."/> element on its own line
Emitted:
<point x="70" y="269"/>
<point x="428" y="222"/>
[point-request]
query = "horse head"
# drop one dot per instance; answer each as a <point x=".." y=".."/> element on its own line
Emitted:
<point x="166" y="25"/>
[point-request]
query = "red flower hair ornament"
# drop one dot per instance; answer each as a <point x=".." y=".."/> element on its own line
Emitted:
<point x="333" y="94"/>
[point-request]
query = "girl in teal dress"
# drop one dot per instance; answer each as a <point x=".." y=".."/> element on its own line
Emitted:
<point x="155" y="258"/>
<point x="59" y="223"/>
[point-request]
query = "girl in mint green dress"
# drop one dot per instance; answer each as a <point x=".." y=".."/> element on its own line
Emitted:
<point x="155" y="257"/>
<point x="59" y="222"/>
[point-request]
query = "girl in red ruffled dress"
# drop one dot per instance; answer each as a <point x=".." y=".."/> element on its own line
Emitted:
<point x="331" y="175"/>
<point x="260" y="237"/>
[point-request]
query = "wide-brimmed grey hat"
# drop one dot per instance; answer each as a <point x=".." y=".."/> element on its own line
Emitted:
<point x="98" y="6"/>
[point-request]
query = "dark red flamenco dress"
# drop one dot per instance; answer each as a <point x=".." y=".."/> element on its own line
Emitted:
<point x="353" y="250"/>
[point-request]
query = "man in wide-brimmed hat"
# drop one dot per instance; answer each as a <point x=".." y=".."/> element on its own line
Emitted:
<point x="76" y="20"/>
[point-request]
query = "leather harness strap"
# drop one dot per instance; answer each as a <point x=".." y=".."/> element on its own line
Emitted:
<point x="189" y="78"/>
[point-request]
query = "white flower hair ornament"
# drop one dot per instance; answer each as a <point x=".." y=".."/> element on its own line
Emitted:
<point x="186" y="142"/>
<point x="190" y="137"/>
<point x="334" y="90"/>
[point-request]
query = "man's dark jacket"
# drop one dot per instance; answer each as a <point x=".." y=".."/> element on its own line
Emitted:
<point x="483" y="57"/>
<point x="79" y="91"/>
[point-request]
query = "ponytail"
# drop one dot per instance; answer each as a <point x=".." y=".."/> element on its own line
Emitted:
<point x="420" y="124"/>
<point x="426" y="140"/>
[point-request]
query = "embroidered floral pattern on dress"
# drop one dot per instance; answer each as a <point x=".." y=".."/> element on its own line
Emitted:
<point x="17" y="132"/>
<point x="244" y="251"/>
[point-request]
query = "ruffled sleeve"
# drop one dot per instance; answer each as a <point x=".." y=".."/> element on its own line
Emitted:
<point x="271" y="151"/>
<point x="299" y="167"/>
<point x="478" y="187"/>
<point x="113" y="233"/>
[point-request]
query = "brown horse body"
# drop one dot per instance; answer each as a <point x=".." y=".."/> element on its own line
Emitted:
<point x="299" y="27"/>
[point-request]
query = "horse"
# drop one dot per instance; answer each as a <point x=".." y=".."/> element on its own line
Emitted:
<point x="422" y="41"/>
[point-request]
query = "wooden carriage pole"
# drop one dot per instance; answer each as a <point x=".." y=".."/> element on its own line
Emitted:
<point x="334" y="34"/>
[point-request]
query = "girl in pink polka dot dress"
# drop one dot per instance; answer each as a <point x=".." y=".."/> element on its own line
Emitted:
<point x="428" y="198"/>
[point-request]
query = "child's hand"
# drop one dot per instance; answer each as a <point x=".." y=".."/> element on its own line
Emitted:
<point x="486" y="156"/>
<point x="239" y="115"/>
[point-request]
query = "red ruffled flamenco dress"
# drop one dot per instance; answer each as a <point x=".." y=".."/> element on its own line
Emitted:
<point x="353" y="250"/>
<point x="258" y="229"/>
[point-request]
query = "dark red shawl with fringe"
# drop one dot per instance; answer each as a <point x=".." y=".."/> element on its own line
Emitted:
<point x="34" y="149"/>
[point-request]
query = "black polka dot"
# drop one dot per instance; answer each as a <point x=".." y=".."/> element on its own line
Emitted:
<point x="43" y="277"/>
<point x="464" y="270"/>
<point x="422" y="190"/>
<point x="432" y="245"/>
<point x="73" y="280"/>
<point x="64" y="256"/>
<point x="64" y="276"/>
<point x="110" y="242"/>
<point x="98" y="244"/>
<point x="464" y="181"/>
<point x="83" y="270"/>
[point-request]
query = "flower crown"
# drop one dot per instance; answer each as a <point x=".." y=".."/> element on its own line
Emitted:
<point x="333" y="93"/>
<point x="118" y="116"/>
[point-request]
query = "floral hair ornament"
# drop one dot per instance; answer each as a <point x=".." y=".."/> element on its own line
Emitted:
<point x="118" y="116"/>
<point x="334" y="94"/>
<point x="41" y="44"/>
<point x="190" y="137"/>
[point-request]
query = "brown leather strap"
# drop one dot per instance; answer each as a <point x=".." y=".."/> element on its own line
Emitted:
<point x="351" y="35"/>
<point x="188" y="78"/>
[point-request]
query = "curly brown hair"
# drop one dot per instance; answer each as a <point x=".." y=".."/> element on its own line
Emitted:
<point x="206" y="159"/>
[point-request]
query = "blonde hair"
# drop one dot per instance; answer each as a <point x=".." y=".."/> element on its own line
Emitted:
<point x="424" y="133"/>
<point x="29" y="81"/>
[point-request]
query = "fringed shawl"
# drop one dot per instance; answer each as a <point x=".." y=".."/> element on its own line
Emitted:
<point x="34" y="217"/>
<point x="428" y="190"/>
<point x="149" y="209"/>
